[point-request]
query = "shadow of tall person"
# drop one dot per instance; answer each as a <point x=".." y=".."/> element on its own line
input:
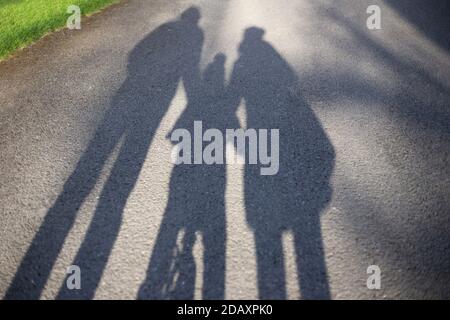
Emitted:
<point x="169" y="54"/>
<point x="196" y="208"/>
<point x="291" y="200"/>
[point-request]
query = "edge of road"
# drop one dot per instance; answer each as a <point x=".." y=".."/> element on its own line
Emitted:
<point x="87" y="18"/>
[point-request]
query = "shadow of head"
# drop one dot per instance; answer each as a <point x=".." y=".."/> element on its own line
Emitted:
<point x="219" y="59"/>
<point x="254" y="34"/>
<point x="214" y="77"/>
<point x="191" y="15"/>
<point x="253" y="37"/>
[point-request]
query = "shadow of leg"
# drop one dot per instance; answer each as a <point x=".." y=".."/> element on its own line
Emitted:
<point x="271" y="275"/>
<point x="105" y="225"/>
<point x="214" y="240"/>
<point x="311" y="266"/>
<point x="39" y="260"/>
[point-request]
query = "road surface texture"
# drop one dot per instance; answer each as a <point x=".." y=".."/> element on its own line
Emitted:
<point x="364" y="173"/>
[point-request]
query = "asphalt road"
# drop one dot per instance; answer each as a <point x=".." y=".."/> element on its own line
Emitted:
<point x="364" y="176"/>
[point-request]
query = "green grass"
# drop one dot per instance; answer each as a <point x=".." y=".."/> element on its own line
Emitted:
<point x="25" y="21"/>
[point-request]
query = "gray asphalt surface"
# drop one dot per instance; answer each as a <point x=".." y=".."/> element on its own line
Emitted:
<point x="364" y="179"/>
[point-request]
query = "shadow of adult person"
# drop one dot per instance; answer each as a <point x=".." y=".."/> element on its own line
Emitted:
<point x="168" y="55"/>
<point x="292" y="199"/>
<point x="196" y="208"/>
